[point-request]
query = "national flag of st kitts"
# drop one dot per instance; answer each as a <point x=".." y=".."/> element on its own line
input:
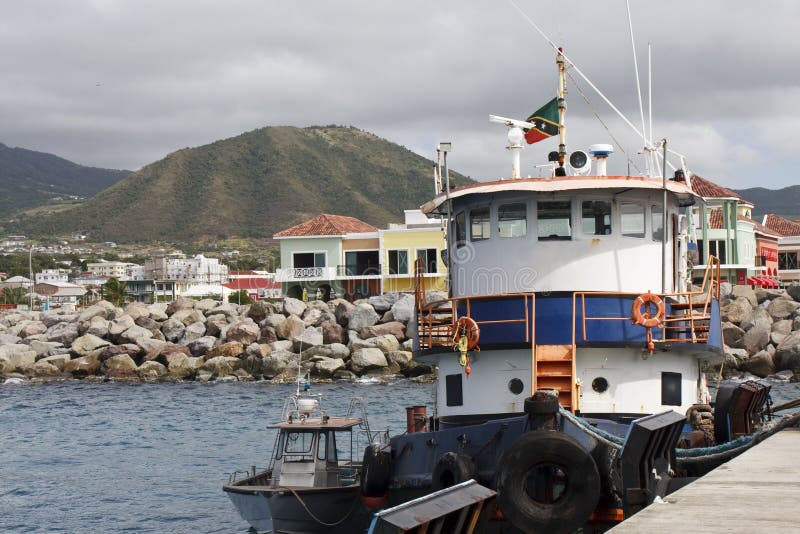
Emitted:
<point x="546" y="120"/>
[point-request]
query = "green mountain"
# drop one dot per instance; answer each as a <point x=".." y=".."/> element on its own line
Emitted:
<point x="251" y="186"/>
<point x="784" y="202"/>
<point x="29" y="179"/>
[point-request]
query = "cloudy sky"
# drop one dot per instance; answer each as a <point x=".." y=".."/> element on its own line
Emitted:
<point x="120" y="84"/>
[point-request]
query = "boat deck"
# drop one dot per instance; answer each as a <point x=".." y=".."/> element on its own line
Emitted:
<point x="757" y="491"/>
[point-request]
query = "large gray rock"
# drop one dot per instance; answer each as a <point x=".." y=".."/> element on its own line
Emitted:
<point x="153" y="326"/>
<point x="188" y="317"/>
<point x="400" y="358"/>
<point x="158" y="311"/>
<point x="43" y="347"/>
<point x="293" y="307"/>
<point x="787" y="354"/>
<point x="245" y="332"/>
<point x="193" y="332"/>
<point x="134" y="351"/>
<point x="201" y="346"/>
<point x="274" y="320"/>
<point x="267" y="335"/>
<point x="29" y="328"/>
<point x="745" y="292"/>
<point x="756" y="339"/>
<point x="725" y="289"/>
<point x="16" y="358"/>
<point x="178" y="304"/>
<point x="205" y="305"/>
<point x="231" y="311"/>
<point x="231" y="349"/>
<point x="98" y="326"/>
<point x="759" y="317"/>
<point x="733" y="335"/>
<point x="382" y="303"/>
<point x="783" y="326"/>
<point x="782" y="308"/>
<point x="327" y="367"/>
<point x="367" y="359"/>
<point x="119" y="365"/>
<point x="776" y="338"/>
<point x="43" y="368"/>
<point x="282" y="345"/>
<point x="133" y="334"/>
<point x="363" y="315"/>
<point x="276" y="362"/>
<point x="185" y="367"/>
<point x="102" y="308"/>
<point x="311" y="336"/>
<point x="152" y="370"/>
<point x="51" y="318"/>
<point x="259" y="310"/>
<point x="120" y="324"/>
<point x="793" y="291"/>
<point x="59" y="360"/>
<point x="312" y="317"/>
<point x="403" y="309"/>
<point x="738" y="311"/>
<point x="394" y="328"/>
<point x="222" y="365"/>
<point x="332" y="332"/>
<point x="10" y="339"/>
<point x="136" y="310"/>
<point x="342" y="311"/>
<point x="64" y="333"/>
<point x="217" y="325"/>
<point x="760" y="364"/>
<point x="763" y="294"/>
<point x="292" y="327"/>
<point x="87" y="344"/>
<point x="173" y="329"/>
<point x="83" y="366"/>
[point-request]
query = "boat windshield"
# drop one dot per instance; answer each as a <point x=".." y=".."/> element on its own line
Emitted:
<point x="297" y="446"/>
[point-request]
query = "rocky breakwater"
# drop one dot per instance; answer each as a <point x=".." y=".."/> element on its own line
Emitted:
<point x="208" y="340"/>
<point x="761" y="332"/>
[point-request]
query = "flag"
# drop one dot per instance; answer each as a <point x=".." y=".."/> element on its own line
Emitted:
<point x="546" y="120"/>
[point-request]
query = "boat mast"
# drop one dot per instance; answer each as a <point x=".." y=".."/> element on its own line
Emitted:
<point x="562" y="111"/>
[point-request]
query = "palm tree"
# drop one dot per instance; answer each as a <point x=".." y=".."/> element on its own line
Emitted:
<point x="114" y="291"/>
<point x="14" y="295"/>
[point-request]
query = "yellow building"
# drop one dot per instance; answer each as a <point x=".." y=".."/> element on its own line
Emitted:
<point x="402" y="244"/>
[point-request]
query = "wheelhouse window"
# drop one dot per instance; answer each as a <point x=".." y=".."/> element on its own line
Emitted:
<point x="479" y="227"/>
<point x="429" y="261"/>
<point x="302" y="260"/>
<point x="657" y="222"/>
<point x="787" y="261"/>
<point x="461" y="229"/>
<point x="298" y="446"/>
<point x="398" y="262"/>
<point x="596" y="217"/>
<point x="632" y="219"/>
<point x="553" y="220"/>
<point x="512" y="220"/>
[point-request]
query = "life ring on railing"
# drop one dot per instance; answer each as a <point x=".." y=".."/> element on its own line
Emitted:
<point x="640" y="313"/>
<point x="468" y="328"/>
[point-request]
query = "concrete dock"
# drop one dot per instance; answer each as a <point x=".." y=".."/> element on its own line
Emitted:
<point x="758" y="491"/>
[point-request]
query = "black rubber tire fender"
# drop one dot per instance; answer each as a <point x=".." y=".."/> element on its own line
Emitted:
<point x="375" y="471"/>
<point x="541" y="448"/>
<point x="451" y="469"/>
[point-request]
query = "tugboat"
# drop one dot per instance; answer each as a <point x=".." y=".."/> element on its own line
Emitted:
<point x="310" y="484"/>
<point x="570" y="347"/>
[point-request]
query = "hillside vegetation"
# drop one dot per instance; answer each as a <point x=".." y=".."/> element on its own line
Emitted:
<point x="784" y="202"/>
<point x="252" y="186"/>
<point x="29" y="179"/>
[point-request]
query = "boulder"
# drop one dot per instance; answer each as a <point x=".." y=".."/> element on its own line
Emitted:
<point x="738" y="311"/>
<point x="64" y="333"/>
<point x="403" y="309"/>
<point x="217" y="325"/>
<point x="149" y="344"/>
<point x="188" y="317"/>
<point x="59" y="360"/>
<point x="119" y="325"/>
<point x="793" y="291"/>
<point x="745" y="292"/>
<point x="776" y="338"/>
<point x="326" y="367"/>
<point x="367" y="359"/>
<point x="387" y="317"/>
<point x="382" y="303"/>
<point x="292" y="327"/>
<point x="10" y="339"/>
<point x="342" y="310"/>
<point x="258" y="350"/>
<point x="118" y="365"/>
<point x="787" y="354"/>
<point x="205" y="305"/>
<point x="760" y="364"/>
<point x="227" y="309"/>
<point x="245" y="332"/>
<point x="200" y="346"/>
<point x="725" y="289"/>
<point x="172" y="329"/>
<point x="274" y="320"/>
<point x="165" y="353"/>
<point x="362" y="316"/>
<point x="88" y="343"/>
<point x="97" y="326"/>
<point x="783" y="326"/>
<point x="222" y="365"/>
<point x="43" y="368"/>
<point x="400" y="358"/>
<point x="43" y="347"/>
<point x="312" y="317"/>
<point x="16" y="358"/>
<point x="83" y="366"/>
<point x="332" y="332"/>
<point x="763" y="295"/>
<point x="152" y="370"/>
<point x="31" y="328"/>
<point x="158" y="311"/>
<point x="782" y="308"/>
<point x="311" y="336"/>
<point x="276" y="362"/>
<point x="193" y="332"/>
<point x="184" y="367"/>
<point x="130" y="349"/>
<point x="395" y="328"/>
<point x="231" y="349"/>
<point x="259" y="310"/>
<point x="733" y="335"/>
<point x="51" y="318"/>
<point x="759" y="317"/>
<point x="293" y="307"/>
<point x="796" y="324"/>
<point x="137" y="309"/>
<point x="153" y="326"/>
<point x="103" y="309"/>
<point x="178" y="304"/>
<point x="757" y="338"/>
<point x="267" y="335"/>
<point x="133" y="334"/>
<point x="282" y="344"/>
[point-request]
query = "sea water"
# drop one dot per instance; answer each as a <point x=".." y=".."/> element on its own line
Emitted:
<point x="88" y="457"/>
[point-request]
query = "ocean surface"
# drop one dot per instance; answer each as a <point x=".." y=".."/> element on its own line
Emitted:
<point x="81" y="457"/>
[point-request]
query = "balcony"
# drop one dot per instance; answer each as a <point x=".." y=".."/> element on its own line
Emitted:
<point x="359" y="271"/>
<point x="300" y="274"/>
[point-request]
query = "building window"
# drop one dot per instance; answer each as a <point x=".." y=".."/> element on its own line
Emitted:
<point x="596" y="217"/>
<point x="512" y="220"/>
<point x="657" y="222"/>
<point x="553" y="220"/>
<point x="479" y="227"/>
<point x="398" y="262"/>
<point x="302" y="260"/>
<point x="461" y="229"/>
<point x="428" y="257"/>
<point x="361" y="262"/>
<point x="787" y="261"/>
<point x="632" y="219"/>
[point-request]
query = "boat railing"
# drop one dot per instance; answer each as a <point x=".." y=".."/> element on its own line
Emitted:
<point x="437" y="320"/>
<point x="265" y="477"/>
<point x="687" y="318"/>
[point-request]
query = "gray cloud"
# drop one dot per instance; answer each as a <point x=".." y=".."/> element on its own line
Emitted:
<point x="121" y="84"/>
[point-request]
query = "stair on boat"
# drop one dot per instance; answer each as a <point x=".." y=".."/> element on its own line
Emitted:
<point x="555" y="370"/>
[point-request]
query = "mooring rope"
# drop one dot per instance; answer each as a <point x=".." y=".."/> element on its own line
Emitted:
<point x="318" y="520"/>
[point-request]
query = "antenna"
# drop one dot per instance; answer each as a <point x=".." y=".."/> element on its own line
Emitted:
<point x="515" y="137"/>
<point x="638" y="87"/>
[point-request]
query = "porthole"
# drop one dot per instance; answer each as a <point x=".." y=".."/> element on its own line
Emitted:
<point x="600" y="384"/>
<point x="515" y="386"/>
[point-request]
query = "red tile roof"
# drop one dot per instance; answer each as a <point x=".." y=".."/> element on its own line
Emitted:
<point x="252" y="283"/>
<point x="716" y="222"/>
<point x="781" y="226"/>
<point x="708" y="189"/>
<point x="326" y="224"/>
<point x="759" y="228"/>
<point x="715" y="219"/>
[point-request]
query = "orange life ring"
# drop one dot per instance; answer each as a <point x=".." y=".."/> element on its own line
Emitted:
<point x="640" y="313"/>
<point x="466" y="326"/>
